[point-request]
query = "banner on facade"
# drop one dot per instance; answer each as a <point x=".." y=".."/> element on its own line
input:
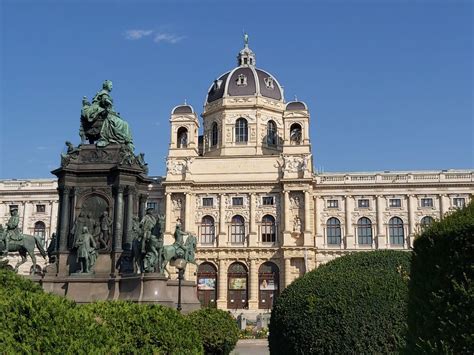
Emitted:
<point x="268" y="285"/>
<point x="206" y="284"/>
<point x="238" y="283"/>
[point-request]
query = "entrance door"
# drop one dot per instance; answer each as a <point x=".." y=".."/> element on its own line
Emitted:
<point x="268" y="285"/>
<point x="237" y="277"/>
<point x="207" y="284"/>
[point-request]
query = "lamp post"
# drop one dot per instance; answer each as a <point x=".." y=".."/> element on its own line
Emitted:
<point x="180" y="265"/>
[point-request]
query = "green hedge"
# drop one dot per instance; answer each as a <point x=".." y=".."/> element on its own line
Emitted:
<point x="354" y="304"/>
<point x="36" y="322"/>
<point x="148" y="329"/>
<point x="218" y="329"/>
<point x="441" y="303"/>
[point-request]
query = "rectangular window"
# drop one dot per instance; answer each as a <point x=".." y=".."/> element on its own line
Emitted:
<point x="333" y="203"/>
<point x="237" y="201"/>
<point x="459" y="202"/>
<point x="40" y="208"/>
<point x="13" y="207"/>
<point x="395" y="202"/>
<point x="363" y="203"/>
<point x="153" y="205"/>
<point x="207" y="202"/>
<point x="426" y="202"/>
<point x="268" y="201"/>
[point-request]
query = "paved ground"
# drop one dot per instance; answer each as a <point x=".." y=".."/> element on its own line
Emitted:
<point x="251" y="347"/>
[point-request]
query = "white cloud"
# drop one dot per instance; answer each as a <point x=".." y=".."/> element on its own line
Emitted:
<point x="167" y="37"/>
<point x="137" y="34"/>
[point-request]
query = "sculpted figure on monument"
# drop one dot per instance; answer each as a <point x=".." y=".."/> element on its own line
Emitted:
<point x="51" y="250"/>
<point x="79" y="223"/>
<point x="86" y="253"/>
<point x="146" y="225"/>
<point x="12" y="240"/>
<point x="105" y="229"/>
<point x="100" y="122"/>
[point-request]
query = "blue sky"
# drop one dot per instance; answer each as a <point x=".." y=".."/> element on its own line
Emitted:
<point x="389" y="84"/>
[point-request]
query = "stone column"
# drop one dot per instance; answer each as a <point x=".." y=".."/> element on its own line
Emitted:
<point x="118" y="218"/>
<point x="381" y="241"/>
<point x="222" y="241"/>
<point x="288" y="277"/>
<point x="253" y="287"/>
<point x="287" y="210"/>
<point x="24" y="227"/>
<point x="253" y="227"/>
<point x="128" y="239"/>
<point x="222" y="285"/>
<point x="350" y="238"/>
<point x="141" y="206"/>
<point x="168" y="213"/>
<point x="317" y="223"/>
<point x="443" y="206"/>
<point x="411" y="222"/>
<point x="187" y="211"/>
<point x="64" y="221"/>
<point x="308" y="226"/>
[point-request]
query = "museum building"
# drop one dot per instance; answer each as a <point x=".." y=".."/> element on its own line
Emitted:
<point x="242" y="180"/>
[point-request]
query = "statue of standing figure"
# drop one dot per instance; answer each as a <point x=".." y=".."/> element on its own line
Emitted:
<point x="100" y="122"/>
<point x="86" y="253"/>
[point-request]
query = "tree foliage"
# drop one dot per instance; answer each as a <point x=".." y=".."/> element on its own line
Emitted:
<point x="354" y="304"/>
<point x="441" y="303"/>
<point x="218" y="329"/>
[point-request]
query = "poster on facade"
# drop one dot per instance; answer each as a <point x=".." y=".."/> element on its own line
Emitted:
<point x="206" y="284"/>
<point x="238" y="283"/>
<point x="268" y="285"/>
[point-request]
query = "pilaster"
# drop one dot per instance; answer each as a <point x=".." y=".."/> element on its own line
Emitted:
<point x="350" y="238"/>
<point x="408" y="241"/>
<point x="222" y="239"/>
<point x="253" y="287"/>
<point x="381" y="238"/>
<point x="253" y="228"/>
<point x="222" y="285"/>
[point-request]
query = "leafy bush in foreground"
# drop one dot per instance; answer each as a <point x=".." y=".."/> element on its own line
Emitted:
<point x="441" y="296"/>
<point x="354" y="304"/>
<point x="218" y="329"/>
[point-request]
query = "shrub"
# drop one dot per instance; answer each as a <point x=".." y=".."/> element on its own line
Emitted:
<point x="354" y="304"/>
<point x="218" y="329"/>
<point x="441" y="295"/>
<point x="147" y="329"/>
<point x="37" y="322"/>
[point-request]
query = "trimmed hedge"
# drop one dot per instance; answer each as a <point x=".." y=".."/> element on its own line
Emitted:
<point x="37" y="322"/>
<point x="218" y="329"/>
<point x="441" y="296"/>
<point x="148" y="329"/>
<point x="354" y="304"/>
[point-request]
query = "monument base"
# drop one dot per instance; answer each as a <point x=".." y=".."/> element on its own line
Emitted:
<point x="151" y="288"/>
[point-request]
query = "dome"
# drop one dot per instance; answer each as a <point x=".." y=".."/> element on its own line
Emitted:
<point x="245" y="80"/>
<point x="296" y="106"/>
<point x="182" y="109"/>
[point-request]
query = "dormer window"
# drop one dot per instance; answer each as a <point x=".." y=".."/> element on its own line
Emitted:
<point x="217" y="84"/>
<point x="241" y="80"/>
<point x="269" y="83"/>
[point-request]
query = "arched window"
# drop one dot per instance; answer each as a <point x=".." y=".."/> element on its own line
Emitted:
<point x="207" y="230"/>
<point x="395" y="231"/>
<point x="237" y="277"/>
<point x="268" y="284"/>
<point x="182" y="137"/>
<point x="426" y="222"/>
<point x="268" y="229"/>
<point x="364" y="231"/>
<point x="40" y="229"/>
<point x="207" y="284"/>
<point x="271" y="133"/>
<point x="333" y="231"/>
<point x="296" y="134"/>
<point x="237" y="230"/>
<point x="214" y="135"/>
<point x="241" y="130"/>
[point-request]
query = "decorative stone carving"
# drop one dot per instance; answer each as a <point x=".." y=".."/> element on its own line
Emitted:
<point x="178" y="167"/>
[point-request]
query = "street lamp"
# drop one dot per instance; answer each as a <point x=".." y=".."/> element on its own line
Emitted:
<point x="180" y="265"/>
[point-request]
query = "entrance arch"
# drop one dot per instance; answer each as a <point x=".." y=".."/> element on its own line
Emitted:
<point x="237" y="281"/>
<point x="207" y="284"/>
<point x="268" y="284"/>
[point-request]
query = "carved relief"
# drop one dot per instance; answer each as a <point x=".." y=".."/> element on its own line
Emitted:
<point x="178" y="167"/>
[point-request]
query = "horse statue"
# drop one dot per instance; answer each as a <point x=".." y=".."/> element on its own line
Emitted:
<point x="175" y="251"/>
<point x="25" y="246"/>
